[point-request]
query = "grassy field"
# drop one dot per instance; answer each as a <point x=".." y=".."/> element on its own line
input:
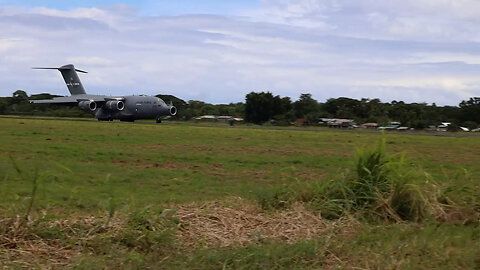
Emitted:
<point x="111" y="195"/>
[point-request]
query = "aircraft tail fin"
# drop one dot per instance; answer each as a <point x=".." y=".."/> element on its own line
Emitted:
<point x="69" y="73"/>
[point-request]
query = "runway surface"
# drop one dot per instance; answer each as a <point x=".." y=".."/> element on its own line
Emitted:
<point x="301" y="129"/>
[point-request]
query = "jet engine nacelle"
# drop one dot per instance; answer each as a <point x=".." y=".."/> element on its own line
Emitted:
<point x="115" y="105"/>
<point x="173" y="110"/>
<point x="87" y="105"/>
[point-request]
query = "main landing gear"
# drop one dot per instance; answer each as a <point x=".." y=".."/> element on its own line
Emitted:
<point x="127" y="120"/>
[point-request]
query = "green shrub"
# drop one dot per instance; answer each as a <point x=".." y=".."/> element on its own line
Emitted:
<point x="381" y="186"/>
<point x="372" y="175"/>
<point x="149" y="230"/>
<point x="282" y="197"/>
<point x="273" y="255"/>
<point x="274" y="198"/>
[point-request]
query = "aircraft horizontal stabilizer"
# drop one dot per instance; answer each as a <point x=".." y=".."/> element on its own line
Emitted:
<point x="61" y="68"/>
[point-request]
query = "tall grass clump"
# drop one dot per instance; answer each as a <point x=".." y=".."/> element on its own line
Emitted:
<point x="387" y="187"/>
<point x="382" y="186"/>
<point x="372" y="170"/>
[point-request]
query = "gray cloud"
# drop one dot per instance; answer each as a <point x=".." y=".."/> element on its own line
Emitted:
<point x="327" y="48"/>
<point x="394" y="19"/>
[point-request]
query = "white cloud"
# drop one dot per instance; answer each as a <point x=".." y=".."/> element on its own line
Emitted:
<point x="329" y="48"/>
<point x="394" y="19"/>
<point x="446" y="57"/>
<point x="7" y="44"/>
<point x="90" y="60"/>
<point x="458" y="86"/>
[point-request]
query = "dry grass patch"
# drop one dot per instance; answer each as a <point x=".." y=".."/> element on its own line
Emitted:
<point x="60" y="241"/>
<point x="238" y="222"/>
<point x="33" y="253"/>
<point x="21" y="246"/>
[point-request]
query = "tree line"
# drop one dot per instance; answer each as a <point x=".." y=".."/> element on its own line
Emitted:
<point x="264" y="107"/>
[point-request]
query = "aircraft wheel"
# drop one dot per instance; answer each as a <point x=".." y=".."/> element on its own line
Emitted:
<point x="158" y="120"/>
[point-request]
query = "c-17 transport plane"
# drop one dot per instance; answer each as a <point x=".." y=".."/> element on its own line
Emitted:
<point x="107" y="108"/>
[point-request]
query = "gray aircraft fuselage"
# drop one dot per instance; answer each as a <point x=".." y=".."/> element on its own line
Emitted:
<point x="135" y="108"/>
<point x="107" y="108"/>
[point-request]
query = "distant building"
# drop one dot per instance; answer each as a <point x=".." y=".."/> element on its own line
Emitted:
<point x="369" y="125"/>
<point x="214" y="118"/>
<point x="391" y="126"/>
<point x="431" y="128"/>
<point x="224" y="118"/>
<point x="205" y="118"/>
<point x="337" y="122"/>
<point x="302" y="122"/>
<point x="443" y="126"/>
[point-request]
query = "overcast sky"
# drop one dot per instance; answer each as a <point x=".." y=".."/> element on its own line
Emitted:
<point x="218" y="51"/>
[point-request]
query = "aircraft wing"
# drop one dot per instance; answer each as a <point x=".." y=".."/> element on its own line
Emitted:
<point x="74" y="99"/>
<point x="57" y="100"/>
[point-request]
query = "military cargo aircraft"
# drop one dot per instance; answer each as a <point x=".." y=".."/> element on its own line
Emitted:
<point x="107" y="108"/>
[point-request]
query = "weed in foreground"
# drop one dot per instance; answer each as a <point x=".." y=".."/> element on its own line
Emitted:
<point x="35" y="179"/>
<point x="149" y="231"/>
<point x="382" y="187"/>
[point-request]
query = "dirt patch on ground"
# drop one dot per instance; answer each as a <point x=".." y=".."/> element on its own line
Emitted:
<point x="255" y="174"/>
<point x="212" y="169"/>
<point x="148" y="163"/>
<point x="305" y="175"/>
<point x="234" y="149"/>
<point x="240" y="222"/>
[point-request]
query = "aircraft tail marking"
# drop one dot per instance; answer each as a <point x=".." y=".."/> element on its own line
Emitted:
<point x="69" y="73"/>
